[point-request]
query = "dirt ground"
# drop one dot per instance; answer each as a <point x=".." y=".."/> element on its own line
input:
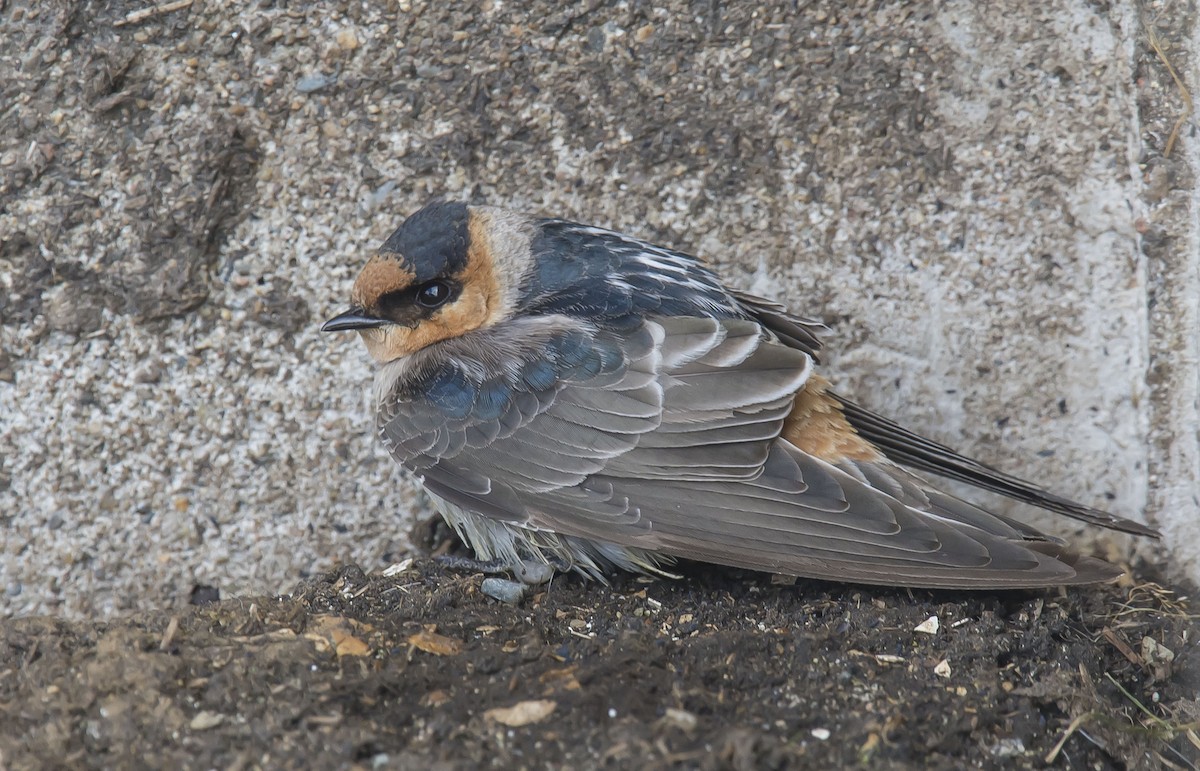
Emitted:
<point x="415" y="668"/>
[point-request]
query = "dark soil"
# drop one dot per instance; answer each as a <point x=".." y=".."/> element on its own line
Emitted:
<point x="721" y="669"/>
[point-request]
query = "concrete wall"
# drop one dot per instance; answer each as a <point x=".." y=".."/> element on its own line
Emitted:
<point x="975" y="196"/>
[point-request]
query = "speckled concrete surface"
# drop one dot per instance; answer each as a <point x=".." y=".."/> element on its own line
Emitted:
<point x="959" y="190"/>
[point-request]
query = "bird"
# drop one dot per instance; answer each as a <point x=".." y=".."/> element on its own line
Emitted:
<point x="574" y="398"/>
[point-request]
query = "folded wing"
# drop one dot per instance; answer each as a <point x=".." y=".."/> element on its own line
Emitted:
<point x="670" y="438"/>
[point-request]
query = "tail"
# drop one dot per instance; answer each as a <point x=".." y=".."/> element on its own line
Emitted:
<point x="906" y="448"/>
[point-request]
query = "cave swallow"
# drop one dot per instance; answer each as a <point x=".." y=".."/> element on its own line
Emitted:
<point x="573" y="396"/>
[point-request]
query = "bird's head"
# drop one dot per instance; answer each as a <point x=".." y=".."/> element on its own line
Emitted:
<point x="448" y="270"/>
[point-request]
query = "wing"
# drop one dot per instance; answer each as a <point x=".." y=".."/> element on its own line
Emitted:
<point x="667" y="439"/>
<point x="795" y="331"/>
<point x="910" y="449"/>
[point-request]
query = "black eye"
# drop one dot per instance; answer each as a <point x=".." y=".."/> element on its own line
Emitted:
<point x="433" y="294"/>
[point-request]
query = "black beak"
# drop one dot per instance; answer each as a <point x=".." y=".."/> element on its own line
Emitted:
<point x="355" y="318"/>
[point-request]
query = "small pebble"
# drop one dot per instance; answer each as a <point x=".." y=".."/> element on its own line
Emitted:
<point x="397" y="568"/>
<point x="504" y="590"/>
<point x="150" y="372"/>
<point x="928" y="626"/>
<point x="205" y="720"/>
<point x="372" y="200"/>
<point x="311" y="83"/>
<point x="346" y="39"/>
<point x="681" y="718"/>
<point x="1007" y="748"/>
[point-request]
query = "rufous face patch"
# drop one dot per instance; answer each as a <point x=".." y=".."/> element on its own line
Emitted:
<point x="383" y="273"/>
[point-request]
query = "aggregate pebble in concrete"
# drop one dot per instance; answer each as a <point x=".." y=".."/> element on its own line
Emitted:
<point x="954" y="187"/>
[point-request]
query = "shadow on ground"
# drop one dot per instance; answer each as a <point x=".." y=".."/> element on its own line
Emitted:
<point x="722" y="669"/>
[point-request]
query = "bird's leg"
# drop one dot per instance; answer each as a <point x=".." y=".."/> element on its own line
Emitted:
<point x="471" y="565"/>
<point x="529" y="572"/>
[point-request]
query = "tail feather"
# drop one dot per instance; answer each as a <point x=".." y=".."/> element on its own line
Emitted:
<point x="906" y="448"/>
